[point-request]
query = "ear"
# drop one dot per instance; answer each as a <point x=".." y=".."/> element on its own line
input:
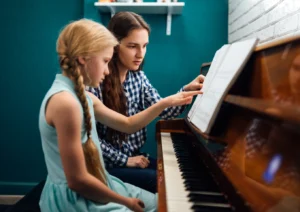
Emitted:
<point x="81" y="60"/>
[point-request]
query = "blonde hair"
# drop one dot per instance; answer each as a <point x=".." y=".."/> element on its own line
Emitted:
<point x="84" y="38"/>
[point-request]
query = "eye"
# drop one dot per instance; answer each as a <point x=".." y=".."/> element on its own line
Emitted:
<point x="131" y="47"/>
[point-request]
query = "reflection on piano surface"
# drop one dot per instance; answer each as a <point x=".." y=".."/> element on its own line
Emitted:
<point x="259" y="119"/>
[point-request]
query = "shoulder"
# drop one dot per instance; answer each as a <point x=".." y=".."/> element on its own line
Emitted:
<point x="92" y="96"/>
<point x="63" y="103"/>
<point x="139" y="76"/>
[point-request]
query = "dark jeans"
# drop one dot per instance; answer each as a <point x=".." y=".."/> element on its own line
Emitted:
<point x="143" y="178"/>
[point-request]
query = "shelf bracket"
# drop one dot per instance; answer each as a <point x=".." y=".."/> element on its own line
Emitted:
<point x="169" y="20"/>
<point x="112" y="11"/>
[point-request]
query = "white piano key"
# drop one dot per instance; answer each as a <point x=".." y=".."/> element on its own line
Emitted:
<point x="176" y="194"/>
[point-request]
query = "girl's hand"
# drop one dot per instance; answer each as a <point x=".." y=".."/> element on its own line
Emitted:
<point x="135" y="204"/>
<point x="196" y="84"/>
<point x="181" y="98"/>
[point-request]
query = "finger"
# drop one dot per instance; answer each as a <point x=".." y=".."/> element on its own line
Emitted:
<point x="185" y="101"/>
<point x="188" y="100"/>
<point x="197" y="86"/>
<point x="137" y="208"/>
<point x="191" y="93"/>
<point x="201" y="78"/>
<point x="141" y="203"/>
<point x="140" y="209"/>
<point x="146" y="164"/>
<point x="146" y="160"/>
<point x="142" y="165"/>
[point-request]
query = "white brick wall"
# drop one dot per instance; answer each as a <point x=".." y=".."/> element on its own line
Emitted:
<point x="266" y="19"/>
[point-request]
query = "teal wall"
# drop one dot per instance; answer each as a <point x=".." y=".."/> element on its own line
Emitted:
<point x="173" y="61"/>
<point x="29" y="30"/>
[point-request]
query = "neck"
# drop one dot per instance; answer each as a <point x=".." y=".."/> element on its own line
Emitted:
<point x="64" y="74"/>
<point x="123" y="72"/>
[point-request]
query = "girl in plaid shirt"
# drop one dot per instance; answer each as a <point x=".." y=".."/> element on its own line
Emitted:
<point x="128" y="91"/>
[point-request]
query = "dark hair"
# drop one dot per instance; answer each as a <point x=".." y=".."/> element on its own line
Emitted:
<point x="114" y="97"/>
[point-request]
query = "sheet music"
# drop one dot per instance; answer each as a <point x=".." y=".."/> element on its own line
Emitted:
<point x="217" y="60"/>
<point x="222" y="77"/>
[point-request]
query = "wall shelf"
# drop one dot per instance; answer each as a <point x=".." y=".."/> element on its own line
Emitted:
<point x="169" y="9"/>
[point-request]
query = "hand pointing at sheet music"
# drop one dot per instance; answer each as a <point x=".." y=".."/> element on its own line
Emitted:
<point x="181" y="98"/>
<point x="196" y="84"/>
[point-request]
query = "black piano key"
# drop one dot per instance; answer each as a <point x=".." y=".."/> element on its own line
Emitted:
<point x="213" y="207"/>
<point x="202" y="188"/>
<point x="200" y="184"/>
<point x="210" y="209"/>
<point x="204" y="194"/>
<point x="197" y="198"/>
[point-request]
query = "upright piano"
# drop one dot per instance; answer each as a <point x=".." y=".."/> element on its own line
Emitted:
<point x="251" y="159"/>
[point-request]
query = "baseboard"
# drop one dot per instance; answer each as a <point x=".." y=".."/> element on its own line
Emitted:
<point x="10" y="199"/>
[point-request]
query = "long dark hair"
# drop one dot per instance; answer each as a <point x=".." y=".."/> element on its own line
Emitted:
<point x="114" y="97"/>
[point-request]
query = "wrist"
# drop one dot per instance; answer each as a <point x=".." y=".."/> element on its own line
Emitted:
<point x="125" y="201"/>
<point x="127" y="164"/>
<point x="164" y="103"/>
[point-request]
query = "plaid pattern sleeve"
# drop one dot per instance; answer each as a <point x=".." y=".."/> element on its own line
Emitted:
<point x="112" y="156"/>
<point x="152" y="97"/>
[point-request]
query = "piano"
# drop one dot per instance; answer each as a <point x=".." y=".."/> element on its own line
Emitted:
<point x="251" y="159"/>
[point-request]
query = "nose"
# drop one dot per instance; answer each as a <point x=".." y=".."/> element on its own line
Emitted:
<point x="106" y="72"/>
<point x="140" y="52"/>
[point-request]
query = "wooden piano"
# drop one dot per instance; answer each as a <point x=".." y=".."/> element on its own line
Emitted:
<point x="251" y="159"/>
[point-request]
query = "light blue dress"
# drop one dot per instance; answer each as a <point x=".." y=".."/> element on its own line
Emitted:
<point x="56" y="195"/>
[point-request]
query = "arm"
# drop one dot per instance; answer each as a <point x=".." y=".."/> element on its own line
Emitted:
<point x="131" y="124"/>
<point x="115" y="156"/>
<point x="63" y="112"/>
<point x="152" y="96"/>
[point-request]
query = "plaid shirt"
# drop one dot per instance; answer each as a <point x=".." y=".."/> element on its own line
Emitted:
<point x="140" y="94"/>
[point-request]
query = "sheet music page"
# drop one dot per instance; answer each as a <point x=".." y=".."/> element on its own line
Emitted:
<point x="224" y="77"/>
<point x="217" y="60"/>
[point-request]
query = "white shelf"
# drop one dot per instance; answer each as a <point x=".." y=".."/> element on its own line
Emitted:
<point x="143" y="8"/>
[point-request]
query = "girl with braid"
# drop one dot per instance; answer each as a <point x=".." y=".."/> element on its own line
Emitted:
<point x="77" y="179"/>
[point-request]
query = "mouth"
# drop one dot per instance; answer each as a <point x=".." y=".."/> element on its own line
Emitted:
<point x="137" y="62"/>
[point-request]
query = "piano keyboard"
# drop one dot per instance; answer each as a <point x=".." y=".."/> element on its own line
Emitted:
<point x="189" y="186"/>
